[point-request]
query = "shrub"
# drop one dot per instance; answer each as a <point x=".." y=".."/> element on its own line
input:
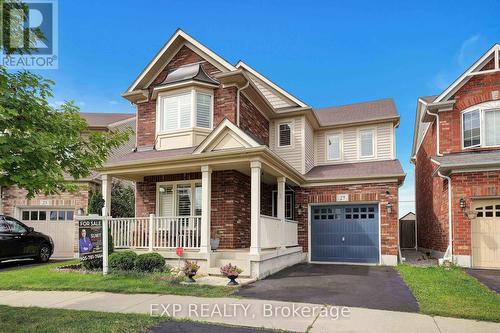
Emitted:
<point x="150" y="262"/>
<point x="122" y="261"/>
<point x="92" y="264"/>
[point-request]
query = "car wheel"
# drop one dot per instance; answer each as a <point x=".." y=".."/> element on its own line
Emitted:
<point x="44" y="254"/>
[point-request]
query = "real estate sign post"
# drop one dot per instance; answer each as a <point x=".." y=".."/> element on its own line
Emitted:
<point x="90" y="242"/>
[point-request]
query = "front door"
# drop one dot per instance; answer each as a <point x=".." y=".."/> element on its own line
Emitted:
<point x="347" y="233"/>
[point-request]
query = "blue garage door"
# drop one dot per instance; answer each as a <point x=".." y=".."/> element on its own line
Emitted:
<point x="345" y="233"/>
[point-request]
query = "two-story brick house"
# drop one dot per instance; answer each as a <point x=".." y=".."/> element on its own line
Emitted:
<point x="456" y="152"/>
<point x="224" y="153"/>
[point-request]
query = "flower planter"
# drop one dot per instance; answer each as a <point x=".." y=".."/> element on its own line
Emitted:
<point x="232" y="280"/>
<point x="214" y="244"/>
<point x="189" y="278"/>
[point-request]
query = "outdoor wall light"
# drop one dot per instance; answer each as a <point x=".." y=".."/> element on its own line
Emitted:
<point x="80" y="212"/>
<point x="300" y="210"/>
<point x="462" y="203"/>
<point x="389" y="208"/>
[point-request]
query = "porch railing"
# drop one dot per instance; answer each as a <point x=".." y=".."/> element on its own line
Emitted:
<point x="156" y="232"/>
<point x="277" y="233"/>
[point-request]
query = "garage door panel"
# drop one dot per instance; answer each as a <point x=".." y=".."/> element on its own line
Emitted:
<point x="349" y="234"/>
<point x="486" y="234"/>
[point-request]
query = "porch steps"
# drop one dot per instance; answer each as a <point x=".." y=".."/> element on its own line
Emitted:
<point x="243" y="264"/>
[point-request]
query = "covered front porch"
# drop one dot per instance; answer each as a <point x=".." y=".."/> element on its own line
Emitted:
<point x="247" y="203"/>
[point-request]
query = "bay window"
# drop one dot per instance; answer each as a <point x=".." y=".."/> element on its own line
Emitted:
<point x="186" y="109"/>
<point x="481" y="128"/>
<point x="179" y="199"/>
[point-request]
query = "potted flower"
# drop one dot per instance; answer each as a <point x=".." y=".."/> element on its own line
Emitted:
<point x="231" y="272"/>
<point x="190" y="268"/>
<point x="215" y="239"/>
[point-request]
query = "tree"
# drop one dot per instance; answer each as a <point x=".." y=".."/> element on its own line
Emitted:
<point x="122" y="199"/>
<point x="41" y="147"/>
<point x="96" y="202"/>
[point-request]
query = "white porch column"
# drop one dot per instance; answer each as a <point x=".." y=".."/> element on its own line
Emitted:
<point x="255" y="207"/>
<point x="206" y="191"/>
<point x="281" y="207"/>
<point x="106" y="193"/>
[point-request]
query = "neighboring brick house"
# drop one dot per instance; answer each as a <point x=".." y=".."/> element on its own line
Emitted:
<point x="223" y="151"/>
<point x="54" y="215"/>
<point x="456" y="152"/>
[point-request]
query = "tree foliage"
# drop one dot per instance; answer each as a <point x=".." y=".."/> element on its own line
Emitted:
<point x="42" y="147"/>
<point x="122" y="200"/>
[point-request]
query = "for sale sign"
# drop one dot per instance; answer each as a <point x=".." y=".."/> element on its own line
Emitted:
<point x="90" y="239"/>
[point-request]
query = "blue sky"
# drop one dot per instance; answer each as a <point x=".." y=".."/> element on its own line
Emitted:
<point x="324" y="52"/>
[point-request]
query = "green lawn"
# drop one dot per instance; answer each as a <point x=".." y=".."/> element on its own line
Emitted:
<point x="44" y="277"/>
<point x="57" y="320"/>
<point x="451" y="293"/>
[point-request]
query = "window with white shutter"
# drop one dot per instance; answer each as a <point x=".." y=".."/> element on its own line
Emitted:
<point x="367" y="143"/>
<point x="203" y="110"/>
<point x="176" y="111"/>
<point x="334" y="144"/>
<point x="285" y="135"/>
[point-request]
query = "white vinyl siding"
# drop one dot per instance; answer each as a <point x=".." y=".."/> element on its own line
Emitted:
<point x="204" y="110"/>
<point x="384" y="144"/>
<point x="293" y="154"/>
<point x="334" y="146"/>
<point x="309" y="146"/>
<point x="492" y="128"/>
<point x="184" y="110"/>
<point x="366" y="143"/>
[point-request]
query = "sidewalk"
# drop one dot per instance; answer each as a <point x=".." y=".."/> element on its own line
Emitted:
<point x="297" y="317"/>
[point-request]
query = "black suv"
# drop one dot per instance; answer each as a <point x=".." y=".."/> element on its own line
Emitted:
<point x="18" y="241"/>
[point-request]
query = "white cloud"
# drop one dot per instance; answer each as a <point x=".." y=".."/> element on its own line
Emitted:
<point x="467" y="46"/>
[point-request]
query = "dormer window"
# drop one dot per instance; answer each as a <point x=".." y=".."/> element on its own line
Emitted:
<point x="185" y="109"/>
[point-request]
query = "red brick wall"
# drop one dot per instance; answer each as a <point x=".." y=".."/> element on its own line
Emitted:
<point x="431" y="198"/>
<point x="375" y="192"/>
<point x="252" y="121"/>
<point x="467" y="185"/>
<point x="477" y="90"/>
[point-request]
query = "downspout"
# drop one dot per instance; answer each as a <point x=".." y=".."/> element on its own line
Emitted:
<point x="238" y="102"/>
<point x="449" y="251"/>
<point x="437" y="128"/>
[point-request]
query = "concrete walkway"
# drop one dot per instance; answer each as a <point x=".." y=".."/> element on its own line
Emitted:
<point x="298" y="317"/>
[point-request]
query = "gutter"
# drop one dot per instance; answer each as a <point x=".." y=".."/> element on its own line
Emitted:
<point x="437" y="127"/>
<point x="238" y="102"/>
<point x="448" y="256"/>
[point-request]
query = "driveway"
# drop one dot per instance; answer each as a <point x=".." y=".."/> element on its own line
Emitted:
<point x="489" y="277"/>
<point x="373" y="287"/>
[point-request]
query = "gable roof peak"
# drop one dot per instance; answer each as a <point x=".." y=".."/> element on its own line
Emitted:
<point x="169" y="49"/>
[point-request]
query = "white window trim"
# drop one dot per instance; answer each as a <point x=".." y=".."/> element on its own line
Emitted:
<point x="482" y="108"/>
<point x="290" y="193"/>
<point x="193" y="91"/>
<point x="374" y="143"/>
<point x="174" y="185"/>
<point x="291" y="123"/>
<point x="341" y="143"/>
